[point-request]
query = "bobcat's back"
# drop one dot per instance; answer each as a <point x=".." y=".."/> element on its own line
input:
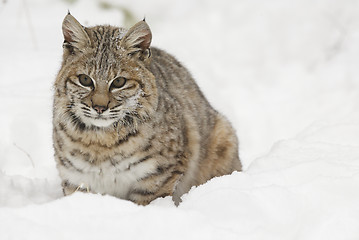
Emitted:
<point x="130" y="121"/>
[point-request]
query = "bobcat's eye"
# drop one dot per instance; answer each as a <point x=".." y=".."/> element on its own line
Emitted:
<point x="85" y="80"/>
<point x="118" y="82"/>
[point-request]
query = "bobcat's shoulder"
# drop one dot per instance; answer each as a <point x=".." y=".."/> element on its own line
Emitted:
<point x="130" y="121"/>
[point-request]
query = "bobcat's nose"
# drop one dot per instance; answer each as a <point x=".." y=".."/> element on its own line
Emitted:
<point x="99" y="109"/>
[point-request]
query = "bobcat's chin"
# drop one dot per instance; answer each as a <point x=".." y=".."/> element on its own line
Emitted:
<point x="99" y="122"/>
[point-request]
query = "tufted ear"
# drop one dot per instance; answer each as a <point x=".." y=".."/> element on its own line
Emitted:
<point x="137" y="39"/>
<point x="74" y="33"/>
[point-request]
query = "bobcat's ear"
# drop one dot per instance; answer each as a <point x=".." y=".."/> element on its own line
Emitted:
<point x="74" y="33"/>
<point x="137" y="39"/>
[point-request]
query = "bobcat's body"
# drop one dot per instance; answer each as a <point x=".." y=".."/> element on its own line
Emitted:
<point x="131" y="122"/>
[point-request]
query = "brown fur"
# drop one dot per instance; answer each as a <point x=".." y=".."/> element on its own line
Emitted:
<point x="154" y="136"/>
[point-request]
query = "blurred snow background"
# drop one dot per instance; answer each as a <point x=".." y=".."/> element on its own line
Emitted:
<point x="284" y="72"/>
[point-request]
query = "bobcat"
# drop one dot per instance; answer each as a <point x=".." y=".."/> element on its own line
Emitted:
<point x="129" y="120"/>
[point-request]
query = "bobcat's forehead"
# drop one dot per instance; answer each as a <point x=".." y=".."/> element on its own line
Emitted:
<point x="103" y="60"/>
<point x="105" y="38"/>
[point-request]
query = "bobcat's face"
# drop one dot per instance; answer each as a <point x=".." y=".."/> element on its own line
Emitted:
<point x="104" y="78"/>
<point x="103" y="98"/>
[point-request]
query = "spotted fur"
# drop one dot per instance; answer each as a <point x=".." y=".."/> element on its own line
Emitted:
<point x="154" y="136"/>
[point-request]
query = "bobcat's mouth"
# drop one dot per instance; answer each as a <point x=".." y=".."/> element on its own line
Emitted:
<point x="99" y="120"/>
<point x="92" y="118"/>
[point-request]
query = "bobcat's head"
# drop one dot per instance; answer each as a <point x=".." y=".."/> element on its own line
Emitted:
<point x="104" y="79"/>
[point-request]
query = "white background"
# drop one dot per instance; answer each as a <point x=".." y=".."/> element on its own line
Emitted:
<point x="284" y="72"/>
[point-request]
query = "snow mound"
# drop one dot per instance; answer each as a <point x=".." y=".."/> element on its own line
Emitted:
<point x="304" y="188"/>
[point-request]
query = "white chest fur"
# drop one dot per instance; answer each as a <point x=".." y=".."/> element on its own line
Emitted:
<point x="106" y="178"/>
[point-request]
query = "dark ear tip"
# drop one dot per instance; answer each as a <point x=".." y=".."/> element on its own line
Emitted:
<point x="68" y="12"/>
<point x="144" y="19"/>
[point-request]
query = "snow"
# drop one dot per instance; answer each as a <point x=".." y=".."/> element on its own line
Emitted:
<point x="284" y="72"/>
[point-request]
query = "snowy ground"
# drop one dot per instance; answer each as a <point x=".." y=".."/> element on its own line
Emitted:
<point x="284" y="72"/>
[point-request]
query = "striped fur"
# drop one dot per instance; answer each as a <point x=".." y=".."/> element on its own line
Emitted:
<point x="154" y="136"/>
